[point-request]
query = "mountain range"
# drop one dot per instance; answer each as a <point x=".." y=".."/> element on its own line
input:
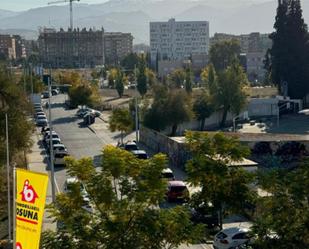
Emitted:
<point x="232" y="16"/>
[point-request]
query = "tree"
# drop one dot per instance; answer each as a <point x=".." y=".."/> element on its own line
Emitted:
<point x="119" y="84"/>
<point x="121" y="120"/>
<point x="230" y="94"/>
<point x="112" y="76"/>
<point x="284" y="213"/>
<point x="226" y="188"/>
<point x="222" y="54"/>
<point x="141" y="77"/>
<point x="37" y="86"/>
<point x="83" y="94"/>
<point x="126" y="193"/>
<point x="290" y="49"/>
<point x="151" y="77"/>
<point x="203" y="108"/>
<point x="177" y="78"/>
<point x="188" y="80"/>
<point x="169" y="108"/>
<point x="130" y="61"/>
<point x="209" y="78"/>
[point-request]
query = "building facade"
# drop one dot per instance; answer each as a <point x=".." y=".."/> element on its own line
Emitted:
<point x="82" y="48"/>
<point x="7" y="47"/>
<point x="116" y="46"/>
<point x="177" y="40"/>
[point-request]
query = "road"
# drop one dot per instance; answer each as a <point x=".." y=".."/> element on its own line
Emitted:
<point x="82" y="141"/>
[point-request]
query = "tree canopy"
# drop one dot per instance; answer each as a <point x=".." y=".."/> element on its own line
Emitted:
<point x="121" y="120"/>
<point x="226" y="188"/>
<point x="141" y="77"/>
<point x="125" y="194"/>
<point x="203" y="107"/>
<point x="223" y="53"/>
<point x="289" y="53"/>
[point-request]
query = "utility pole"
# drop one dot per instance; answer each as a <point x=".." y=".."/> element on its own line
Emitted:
<point x="136" y="106"/>
<point x="31" y="79"/>
<point x="51" y="147"/>
<point x="8" y="177"/>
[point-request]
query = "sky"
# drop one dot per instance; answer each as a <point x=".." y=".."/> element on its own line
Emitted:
<point x="19" y="5"/>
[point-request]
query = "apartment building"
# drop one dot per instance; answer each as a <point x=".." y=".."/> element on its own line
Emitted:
<point x="7" y="47"/>
<point x="176" y="41"/>
<point x="80" y="48"/>
<point x="116" y="46"/>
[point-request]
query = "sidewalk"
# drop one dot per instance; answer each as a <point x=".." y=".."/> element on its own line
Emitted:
<point x="37" y="162"/>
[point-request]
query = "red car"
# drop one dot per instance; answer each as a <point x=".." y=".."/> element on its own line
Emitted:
<point x="177" y="190"/>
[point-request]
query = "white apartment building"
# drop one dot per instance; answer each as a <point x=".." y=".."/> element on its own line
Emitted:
<point x="178" y="40"/>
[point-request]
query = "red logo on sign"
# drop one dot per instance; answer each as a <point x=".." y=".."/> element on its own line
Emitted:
<point x="18" y="246"/>
<point x="28" y="194"/>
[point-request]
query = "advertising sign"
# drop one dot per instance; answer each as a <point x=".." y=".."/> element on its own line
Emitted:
<point x="30" y="202"/>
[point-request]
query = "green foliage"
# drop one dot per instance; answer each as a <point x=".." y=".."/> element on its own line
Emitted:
<point x="203" y="108"/>
<point x="285" y="212"/>
<point x="125" y="193"/>
<point x="209" y="78"/>
<point x="171" y="108"/>
<point x="130" y="61"/>
<point x="141" y="77"/>
<point x="37" y="85"/>
<point x="97" y="74"/>
<point x="121" y="120"/>
<point x="230" y="94"/>
<point x="177" y="78"/>
<point x="222" y="54"/>
<point x="81" y="95"/>
<point x="119" y="84"/>
<point x="112" y="76"/>
<point x="151" y="77"/>
<point x="223" y="186"/>
<point x="289" y="53"/>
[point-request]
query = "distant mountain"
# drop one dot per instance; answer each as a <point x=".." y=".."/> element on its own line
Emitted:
<point x="229" y="16"/>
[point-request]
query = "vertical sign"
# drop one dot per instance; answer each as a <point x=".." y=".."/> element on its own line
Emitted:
<point x="30" y="202"/>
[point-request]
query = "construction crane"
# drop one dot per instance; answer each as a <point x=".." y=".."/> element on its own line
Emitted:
<point x="71" y="9"/>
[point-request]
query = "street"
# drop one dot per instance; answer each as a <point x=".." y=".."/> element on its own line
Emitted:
<point x="82" y="141"/>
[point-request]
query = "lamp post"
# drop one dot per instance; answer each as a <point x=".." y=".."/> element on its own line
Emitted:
<point x="8" y="176"/>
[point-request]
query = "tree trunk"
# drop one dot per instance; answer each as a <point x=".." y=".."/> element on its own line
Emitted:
<point x="174" y="129"/>
<point x="202" y="124"/>
<point x="121" y="134"/>
<point x="224" y="118"/>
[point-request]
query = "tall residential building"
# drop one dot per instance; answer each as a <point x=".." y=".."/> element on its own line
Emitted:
<point x="7" y="47"/>
<point x="116" y="46"/>
<point x="80" y="48"/>
<point x="176" y="41"/>
<point x="72" y="48"/>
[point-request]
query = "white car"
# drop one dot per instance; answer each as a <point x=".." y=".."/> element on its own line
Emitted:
<point x="168" y="174"/>
<point x="59" y="148"/>
<point x="68" y="186"/>
<point x="230" y="238"/>
<point x="47" y="137"/>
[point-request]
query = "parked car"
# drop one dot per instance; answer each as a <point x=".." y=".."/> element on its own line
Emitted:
<point x="88" y="118"/>
<point x="205" y="214"/>
<point x="59" y="157"/>
<point x="53" y="135"/>
<point x="40" y="114"/>
<point x="231" y="238"/>
<point x="177" y="191"/>
<point x="54" y="141"/>
<point x="129" y="146"/>
<point x="140" y="154"/>
<point x="81" y="112"/>
<point x="38" y="109"/>
<point x="96" y="113"/>
<point x="44" y="130"/>
<point x="168" y="174"/>
<point x="41" y="121"/>
<point x="47" y="133"/>
<point x="55" y="92"/>
<point x="69" y="186"/>
<point x="45" y="94"/>
<point x="37" y="105"/>
<point x="59" y="148"/>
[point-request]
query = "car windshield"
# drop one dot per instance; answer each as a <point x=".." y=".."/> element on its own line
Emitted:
<point x="221" y="235"/>
<point x="142" y="156"/>
<point x="167" y="175"/>
<point x="60" y="155"/>
<point x="131" y="147"/>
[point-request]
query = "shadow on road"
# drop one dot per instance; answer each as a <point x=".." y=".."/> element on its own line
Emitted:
<point x="64" y="120"/>
<point x="58" y="105"/>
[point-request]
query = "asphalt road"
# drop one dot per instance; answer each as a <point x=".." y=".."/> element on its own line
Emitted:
<point x="82" y="141"/>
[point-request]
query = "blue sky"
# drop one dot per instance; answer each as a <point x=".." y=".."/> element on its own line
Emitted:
<point x="17" y="5"/>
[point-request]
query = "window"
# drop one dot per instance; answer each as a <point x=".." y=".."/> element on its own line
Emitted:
<point x="241" y="236"/>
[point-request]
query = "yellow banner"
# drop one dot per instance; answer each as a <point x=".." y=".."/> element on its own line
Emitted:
<point x="30" y="202"/>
